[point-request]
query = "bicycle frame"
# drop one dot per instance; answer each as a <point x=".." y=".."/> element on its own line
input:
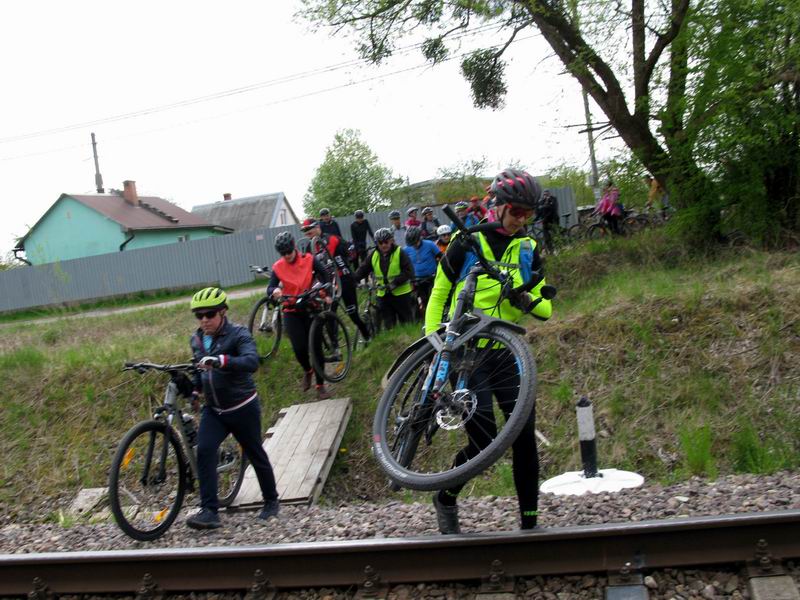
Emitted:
<point x="172" y="409"/>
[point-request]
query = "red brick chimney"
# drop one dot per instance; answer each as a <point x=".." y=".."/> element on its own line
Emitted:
<point x="129" y="193"/>
<point x="226" y="197"/>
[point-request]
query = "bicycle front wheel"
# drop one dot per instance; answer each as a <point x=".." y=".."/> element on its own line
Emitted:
<point x="266" y="327"/>
<point x="147" y="481"/>
<point x="427" y="443"/>
<point x="231" y="465"/>
<point x="331" y="351"/>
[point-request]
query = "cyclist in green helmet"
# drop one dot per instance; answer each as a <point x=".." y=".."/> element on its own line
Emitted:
<point x="227" y="355"/>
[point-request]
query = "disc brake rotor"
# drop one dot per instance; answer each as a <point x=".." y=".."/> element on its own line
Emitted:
<point x="460" y="408"/>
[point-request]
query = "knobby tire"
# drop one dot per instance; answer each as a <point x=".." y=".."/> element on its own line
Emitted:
<point x="158" y="433"/>
<point x="393" y="454"/>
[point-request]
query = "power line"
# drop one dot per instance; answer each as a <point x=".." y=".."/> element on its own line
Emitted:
<point x="227" y="93"/>
<point x="259" y="106"/>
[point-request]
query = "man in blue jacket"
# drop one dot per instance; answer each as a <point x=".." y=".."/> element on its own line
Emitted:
<point x="227" y="355"/>
<point x="424" y="255"/>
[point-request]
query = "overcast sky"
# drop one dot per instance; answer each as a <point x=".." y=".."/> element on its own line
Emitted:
<point x="67" y="64"/>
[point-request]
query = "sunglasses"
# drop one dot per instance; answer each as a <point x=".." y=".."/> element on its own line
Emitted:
<point x="520" y="213"/>
<point x="209" y="314"/>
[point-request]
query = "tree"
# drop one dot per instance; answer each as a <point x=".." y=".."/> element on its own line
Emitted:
<point x="670" y="76"/>
<point x="463" y="180"/>
<point x="350" y="178"/>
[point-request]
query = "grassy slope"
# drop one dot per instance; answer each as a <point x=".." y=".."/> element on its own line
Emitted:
<point x="692" y="364"/>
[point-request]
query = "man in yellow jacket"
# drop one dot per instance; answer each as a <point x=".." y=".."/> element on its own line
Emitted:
<point x="516" y="194"/>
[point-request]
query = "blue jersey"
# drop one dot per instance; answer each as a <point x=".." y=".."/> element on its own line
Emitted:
<point x="423" y="258"/>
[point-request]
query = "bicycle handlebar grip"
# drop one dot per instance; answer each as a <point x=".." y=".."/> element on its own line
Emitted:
<point x="488" y="226"/>
<point x="548" y="292"/>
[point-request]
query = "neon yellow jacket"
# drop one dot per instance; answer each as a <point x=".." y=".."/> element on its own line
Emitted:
<point x="516" y="260"/>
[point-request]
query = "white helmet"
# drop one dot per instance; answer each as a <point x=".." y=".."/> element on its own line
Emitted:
<point x="443" y="230"/>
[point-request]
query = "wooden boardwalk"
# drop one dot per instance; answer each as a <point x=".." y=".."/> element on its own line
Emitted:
<point x="301" y="447"/>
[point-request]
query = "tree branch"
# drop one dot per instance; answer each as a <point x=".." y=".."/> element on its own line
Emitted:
<point x="663" y="40"/>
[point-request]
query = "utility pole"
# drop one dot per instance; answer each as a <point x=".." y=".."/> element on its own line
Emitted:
<point x="98" y="179"/>
<point x="590" y="135"/>
<point x="595" y="183"/>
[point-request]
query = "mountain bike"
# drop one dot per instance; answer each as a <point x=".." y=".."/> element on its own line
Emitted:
<point x="429" y="409"/>
<point x="328" y="338"/>
<point x="155" y="464"/>
<point x="265" y="321"/>
<point x="369" y="308"/>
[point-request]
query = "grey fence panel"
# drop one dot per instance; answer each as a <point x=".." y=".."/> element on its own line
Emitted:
<point x="223" y="259"/>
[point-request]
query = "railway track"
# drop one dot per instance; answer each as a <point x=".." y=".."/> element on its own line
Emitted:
<point x="764" y="539"/>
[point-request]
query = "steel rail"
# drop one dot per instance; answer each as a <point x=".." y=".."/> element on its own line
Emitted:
<point x="585" y="549"/>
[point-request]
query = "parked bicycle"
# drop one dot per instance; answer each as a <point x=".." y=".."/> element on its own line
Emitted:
<point x="328" y="338"/>
<point x="155" y="464"/>
<point x="265" y="321"/>
<point x="420" y="422"/>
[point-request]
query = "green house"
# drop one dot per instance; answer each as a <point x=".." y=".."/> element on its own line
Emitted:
<point x="76" y="226"/>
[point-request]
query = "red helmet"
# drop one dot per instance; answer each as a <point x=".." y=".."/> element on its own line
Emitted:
<point x="308" y="224"/>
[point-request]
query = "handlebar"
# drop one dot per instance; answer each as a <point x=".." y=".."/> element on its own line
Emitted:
<point x="142" y="367"/>
<point x="259" y="270"/>
<point x="548" y="292"/>
<point x="316" y="288"/>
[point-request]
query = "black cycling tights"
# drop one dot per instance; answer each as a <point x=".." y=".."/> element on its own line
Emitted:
<point x="499" y="377"/>
<point x="297" y="326"/>
<point x="350" y="301"/>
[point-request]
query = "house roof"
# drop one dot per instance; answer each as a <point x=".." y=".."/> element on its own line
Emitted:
<point x="253" y="212"/>
<point x="151" y="213"/>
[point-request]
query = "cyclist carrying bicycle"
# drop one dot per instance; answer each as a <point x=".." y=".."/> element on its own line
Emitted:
<point x="424" y="255"/>
<point x="393" y="272"/>
<point x="227" y="355"/>
<point x="337" y="251"/>
<point x="292" y="275"/>
<point x="516" y="194"/>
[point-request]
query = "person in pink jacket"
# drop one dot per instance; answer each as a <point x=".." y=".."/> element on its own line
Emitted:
<point x="609" y="207"/>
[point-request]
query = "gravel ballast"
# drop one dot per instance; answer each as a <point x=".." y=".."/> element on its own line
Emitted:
<point x="695" y="497"/>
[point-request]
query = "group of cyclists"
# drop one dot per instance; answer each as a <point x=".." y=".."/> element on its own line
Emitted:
<point x="421" y="254"/>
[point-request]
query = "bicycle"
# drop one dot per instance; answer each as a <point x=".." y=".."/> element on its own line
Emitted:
<point x="369" y="312"/>
<point x="266" y="327"/>
<point x="628" y="225"/>
<point x="419" y="304"/>
<point x="156" y="462"/>
<point x="429" y="395"/>
<point x="330" y="358"/>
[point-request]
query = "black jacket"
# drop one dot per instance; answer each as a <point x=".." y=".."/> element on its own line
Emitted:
<point x="231" y="384"/>
<point x="330" y="228"/>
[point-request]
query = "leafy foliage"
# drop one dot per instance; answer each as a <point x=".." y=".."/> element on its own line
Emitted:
<point x="350" y="178"/>
<point x="705" y="93"/>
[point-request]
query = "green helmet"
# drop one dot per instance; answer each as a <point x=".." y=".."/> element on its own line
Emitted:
<point x="210" y="297"/>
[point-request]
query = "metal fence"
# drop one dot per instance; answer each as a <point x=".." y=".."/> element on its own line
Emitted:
<point x="222" y="260"/>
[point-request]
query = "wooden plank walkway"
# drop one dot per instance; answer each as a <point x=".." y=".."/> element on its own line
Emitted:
<point x="301" y="446"/>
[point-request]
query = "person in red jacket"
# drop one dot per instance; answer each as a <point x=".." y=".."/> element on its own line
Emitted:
<point x="292" y="275"/>
<point x="412" y="220"/>
<point x="338" y="252"/>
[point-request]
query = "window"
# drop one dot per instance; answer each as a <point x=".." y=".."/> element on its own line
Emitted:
<point x="282" y="217"/>
<point x="183" y="238"/>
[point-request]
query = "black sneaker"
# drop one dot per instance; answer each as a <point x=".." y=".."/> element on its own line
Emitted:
<point x="270" y="510"/>
<point x="447" y="516"/>
<point x="205" y="519"/>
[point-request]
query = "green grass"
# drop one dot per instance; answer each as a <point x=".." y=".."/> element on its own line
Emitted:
<point x="691" y="363"/>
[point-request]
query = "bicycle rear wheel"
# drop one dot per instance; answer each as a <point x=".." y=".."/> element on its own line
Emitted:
<point x="147" y="482"/>
<point x="597" y="232"/>
<point x="331" y="352"/>
<point x="231" y="465"/>
<point x="486" y="402"/>
<point x="266" y="327"/>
